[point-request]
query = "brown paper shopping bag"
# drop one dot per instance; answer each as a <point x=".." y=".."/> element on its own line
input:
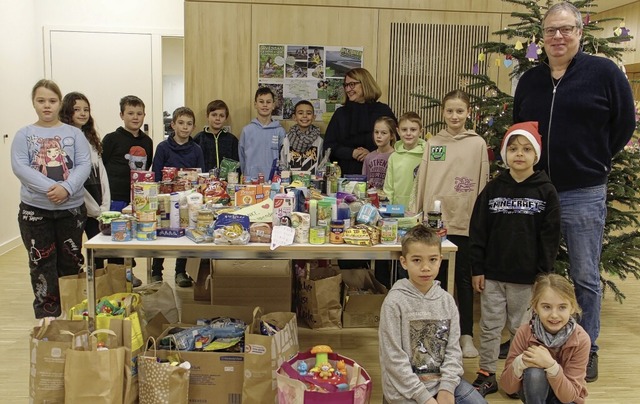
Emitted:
<point x="162" y="382"/>
<point x="95" y="376"/>
<point x="319" y="302"/>
<point x="73" y="288"/>
<point x="48" y="351"/>
<point x="265" y="353"/>
<point x="158" y="301"/>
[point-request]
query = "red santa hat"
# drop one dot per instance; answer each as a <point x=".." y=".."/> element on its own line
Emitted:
<point x="526" y="129"/>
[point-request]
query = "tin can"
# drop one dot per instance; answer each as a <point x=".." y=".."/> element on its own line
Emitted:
<point x="317" y="235"/>
<point x="260" y="178"/>
<point x="121" y="230"/>
<point x="337" y="232"/>
<point x="146" y="231"/>
<point x="389" y="231"/>
<point x="434" y="220"/>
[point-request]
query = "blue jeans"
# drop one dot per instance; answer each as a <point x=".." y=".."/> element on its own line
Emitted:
<point x="465" y="394"/>
<point x="536" y="389"/>
<point x="583" y="212"/>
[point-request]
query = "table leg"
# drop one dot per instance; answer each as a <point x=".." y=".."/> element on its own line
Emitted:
<point x="91" y="291"/>
<point x="451" y="272"/>
<point x="149" y="263"/>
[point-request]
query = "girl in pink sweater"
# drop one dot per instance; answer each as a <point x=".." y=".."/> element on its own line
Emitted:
<point x="547" y="361"/>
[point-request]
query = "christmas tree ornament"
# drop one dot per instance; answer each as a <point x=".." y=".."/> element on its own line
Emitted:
<point x="532" y="51"/>
<point x="518" y="45"/>
<point x="481" y="57"/>
<point x="498" y="62"/>
<point x="475" y="69"/>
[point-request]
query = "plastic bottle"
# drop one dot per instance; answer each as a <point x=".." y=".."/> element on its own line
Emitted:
<point x="337" y="169"/>
<point x="344" y="213"/>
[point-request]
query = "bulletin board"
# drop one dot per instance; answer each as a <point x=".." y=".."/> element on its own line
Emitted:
<point x="306" y="72"/>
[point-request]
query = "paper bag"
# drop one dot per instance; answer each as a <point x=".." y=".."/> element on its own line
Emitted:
<point x="48" y="347"/>
<point x="318" y="295"/>
<point x="265" y="353"/>
<point x="73" y="288"/>
<point x="162" y="382"/>
<point x="159" y="301"/>
<point x="94" y="376"/>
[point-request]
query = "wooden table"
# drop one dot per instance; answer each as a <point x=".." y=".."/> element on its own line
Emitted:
<point x="182" y="247"/>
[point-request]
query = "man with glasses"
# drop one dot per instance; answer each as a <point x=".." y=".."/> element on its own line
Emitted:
<point x="584" y="106"/>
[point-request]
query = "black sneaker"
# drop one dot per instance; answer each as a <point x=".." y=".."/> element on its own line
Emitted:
<point x="485" y="383"/>
<point x="183" y="280"/>
<point x="504" y="349"/>
<point x="592" y="368"/>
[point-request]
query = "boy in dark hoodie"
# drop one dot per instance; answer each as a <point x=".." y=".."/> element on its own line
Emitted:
<point x="514" y="236"/>
<point x="420" y="357"/>
<point x="179" y="151"/>
<point x="116" y="149"/>
<point x="214" y="140"/>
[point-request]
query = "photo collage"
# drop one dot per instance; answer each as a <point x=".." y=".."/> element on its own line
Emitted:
<point x="306" y="72"/>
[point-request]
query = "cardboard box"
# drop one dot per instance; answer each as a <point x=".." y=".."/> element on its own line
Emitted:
<point x="216" y="377"/>
<point x="361" y="310"/>
<point x="264" y="283"/>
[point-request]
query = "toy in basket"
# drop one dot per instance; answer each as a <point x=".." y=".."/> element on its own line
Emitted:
<point x="322" y="376"/>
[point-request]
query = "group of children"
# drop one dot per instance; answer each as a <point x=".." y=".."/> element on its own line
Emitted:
<point x="507" y="231"/>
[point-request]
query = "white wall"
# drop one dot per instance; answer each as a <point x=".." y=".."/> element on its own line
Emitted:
<point x="21" y="52"/>
<point x="21" y="67"/>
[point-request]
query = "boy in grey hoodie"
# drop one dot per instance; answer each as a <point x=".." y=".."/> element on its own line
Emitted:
<point x="420" y="356"/>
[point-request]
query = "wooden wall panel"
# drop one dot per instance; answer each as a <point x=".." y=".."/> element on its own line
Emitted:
<point x="218" y="59"/>
<point x="494" y="6"/>
<point x="631" y="15"/>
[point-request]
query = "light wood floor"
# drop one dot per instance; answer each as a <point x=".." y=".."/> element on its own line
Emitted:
<point x="619" y="380"/>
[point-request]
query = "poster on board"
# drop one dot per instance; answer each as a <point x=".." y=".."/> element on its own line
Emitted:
<point x="306" y="72"/>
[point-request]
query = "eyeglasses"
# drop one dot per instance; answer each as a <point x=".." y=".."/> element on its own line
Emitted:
<point x="350" y="85"/>
<point x="564" y="31"/>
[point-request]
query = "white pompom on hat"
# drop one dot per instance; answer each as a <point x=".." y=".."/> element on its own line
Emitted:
<point x="526" y="129"/>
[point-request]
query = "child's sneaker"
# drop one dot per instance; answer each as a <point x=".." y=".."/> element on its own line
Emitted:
<point x="468" y="349"/>
<point x="485" y="383"/>
<point x="183" y="280"/>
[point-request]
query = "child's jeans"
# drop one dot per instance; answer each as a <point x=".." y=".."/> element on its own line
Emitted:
<point x="536" y="389"/>
<point x="465" y="394"/>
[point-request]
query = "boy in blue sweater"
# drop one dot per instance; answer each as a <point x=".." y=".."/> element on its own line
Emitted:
<point x="180" y="151"/>
<point x="262" y="138"/>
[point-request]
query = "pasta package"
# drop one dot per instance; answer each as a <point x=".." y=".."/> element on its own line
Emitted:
<point x="301" y="223"/>
<point x="231" y="229"/>
<point x="362" y="234"/>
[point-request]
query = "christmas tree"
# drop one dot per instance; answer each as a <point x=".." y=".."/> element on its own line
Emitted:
<point x="493" y="114"/>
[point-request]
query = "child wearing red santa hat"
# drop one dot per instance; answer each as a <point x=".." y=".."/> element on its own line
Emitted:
<point x="514" y="237"/>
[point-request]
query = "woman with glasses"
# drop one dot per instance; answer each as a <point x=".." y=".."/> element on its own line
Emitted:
<point x="584" y="107"/>
<point x="349" y="132"/>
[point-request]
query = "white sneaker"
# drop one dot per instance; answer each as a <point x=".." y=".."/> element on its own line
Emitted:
<point x="468" y="349"/>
